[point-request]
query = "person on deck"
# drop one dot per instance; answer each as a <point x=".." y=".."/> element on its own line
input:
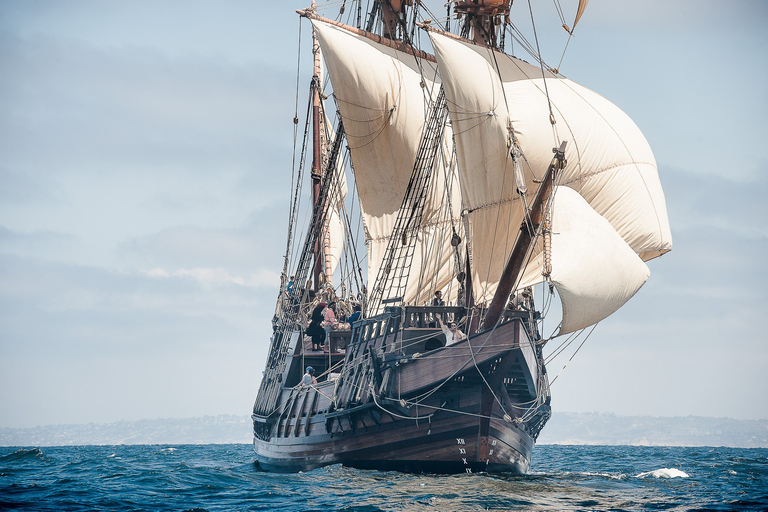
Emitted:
<point x="289" y="286"/>
<point x="354" y="317"/>
<point x="315" y="329"/>
<point x="329" y="314"/>
<point x="522" y="301"/>
<point x="309" y="377"/>
<point x="452" y="332"/>
<point x="436" y="301"/>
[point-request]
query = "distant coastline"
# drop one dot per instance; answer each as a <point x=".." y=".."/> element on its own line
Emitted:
<point x="562" y="429"/>
<point x="609" y="429"/>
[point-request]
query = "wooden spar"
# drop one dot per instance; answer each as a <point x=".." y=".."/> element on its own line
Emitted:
<point x="397" y="45"/>
<point x="530" y="225"/>
<point x="316" y="155"/>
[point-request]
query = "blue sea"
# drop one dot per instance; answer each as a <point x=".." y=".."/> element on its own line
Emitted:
<point x="223" y="477"/>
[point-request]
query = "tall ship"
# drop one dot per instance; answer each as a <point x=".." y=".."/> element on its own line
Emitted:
<point x="455" y="209"/>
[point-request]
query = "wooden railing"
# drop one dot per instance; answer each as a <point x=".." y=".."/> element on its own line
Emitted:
<point x="425" y="316"/>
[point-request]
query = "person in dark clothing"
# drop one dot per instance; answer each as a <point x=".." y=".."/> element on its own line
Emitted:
<point x="354" y="317"/>
<point x="437" y="301"/>
<point x="315" y="329"/>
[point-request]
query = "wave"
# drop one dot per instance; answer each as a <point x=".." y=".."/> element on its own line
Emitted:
<point x="664" y="473"/>
<point x="24" y="454"/>
<point x="223" y="477"/>
<point x="600" y="474"/>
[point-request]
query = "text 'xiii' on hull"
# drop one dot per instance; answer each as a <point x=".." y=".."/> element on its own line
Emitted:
<point x="453" y="194"/>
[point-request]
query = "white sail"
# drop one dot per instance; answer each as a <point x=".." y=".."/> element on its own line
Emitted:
<point x="384" y="96"/>
<point x="486" y="170"/>
<point x="594" y="270"/>
<point x="335" y="235"/>
<point x="609" y="161"/>
<point x="496" y="100"/>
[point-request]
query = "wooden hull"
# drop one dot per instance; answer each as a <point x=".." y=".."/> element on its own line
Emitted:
<point x="452" y="410"/>
<point x="454" y="444"/>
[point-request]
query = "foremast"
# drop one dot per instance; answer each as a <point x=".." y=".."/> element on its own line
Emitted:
<point x="533" y="219"/>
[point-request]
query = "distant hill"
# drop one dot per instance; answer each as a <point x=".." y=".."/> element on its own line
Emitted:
<point x="563" y="428"/>
<point x="608" y="429"/>
<point x="222" y="429"/>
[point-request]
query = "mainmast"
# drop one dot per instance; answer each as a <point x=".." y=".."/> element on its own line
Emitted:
<point x="391" y="16"/>
<point x="483" y="25"/>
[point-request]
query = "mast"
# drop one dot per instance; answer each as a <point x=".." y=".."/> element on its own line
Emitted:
<point x="316" y="153"/>
<point x="390" y="16"/>
<point x="321" y="139"/>
<point x="481" y="19"/>
<point x="528" y="229"/>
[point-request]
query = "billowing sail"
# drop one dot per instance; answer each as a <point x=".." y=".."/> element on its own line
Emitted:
<point x="384" y="96"/>
<point x="497" y="101"/>
<point x="594" y="270"/>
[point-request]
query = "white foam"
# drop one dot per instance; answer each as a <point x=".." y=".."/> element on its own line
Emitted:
<point x="612" y="476"/>
<point x="664" y="473"/>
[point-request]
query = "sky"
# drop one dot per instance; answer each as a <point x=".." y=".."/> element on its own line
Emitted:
<point x="145" y="159"/>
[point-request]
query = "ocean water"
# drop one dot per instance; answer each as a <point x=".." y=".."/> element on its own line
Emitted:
<point x="223" y="477"/>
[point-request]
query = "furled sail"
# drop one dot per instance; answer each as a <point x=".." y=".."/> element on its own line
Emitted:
<point x="496" y="102"/>
<point x="594" y="270"/>
<point x="384" y="96"/>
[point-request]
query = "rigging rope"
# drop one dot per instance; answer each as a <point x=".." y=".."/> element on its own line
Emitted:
<point x="392" y="275"/>
<point x="294" y="179"/>
<point x="544" y="77"/>
<point x="574" y="354"/>
<point x="408" y="221"/>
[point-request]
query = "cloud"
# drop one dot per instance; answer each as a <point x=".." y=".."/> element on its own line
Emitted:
<point x="88" y="305"/>
<point x="110" y="142"/>
<point x="19" y="188"/>
<point x="681" y="15"/>
<point x="219" y="277"/>
<point x="103" y="143"/>
<point x="135" y="110"/>
<point x="46" y="238"/>
<point x="695" y="324"/>
<point x="97" y="345"/>
<point x="186" y="247"/>
<point x="713" y="202"/>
